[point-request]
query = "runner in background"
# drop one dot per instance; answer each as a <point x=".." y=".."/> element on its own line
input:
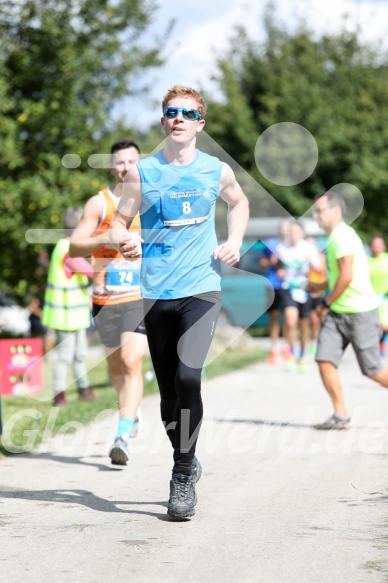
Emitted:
<point x="297" y="257"/>
<point x="117" y="304"/>
<point x="270" y="260"/>
<point x="349" y="312"/>
<point x="378" y="269"/>
<point x="316" y="276"/>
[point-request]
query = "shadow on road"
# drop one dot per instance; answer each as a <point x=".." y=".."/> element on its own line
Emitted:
<point x="72" y="460"/>
<point x="84" y="498"/>
<point x="283" y="424"/>
<point x="265" y="422"/>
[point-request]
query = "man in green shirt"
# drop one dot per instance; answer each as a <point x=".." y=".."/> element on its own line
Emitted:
<point x="349" y="313"/>
<point x="378" y="268"/>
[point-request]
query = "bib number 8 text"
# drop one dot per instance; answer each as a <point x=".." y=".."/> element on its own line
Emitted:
<point x="186" y="206"/>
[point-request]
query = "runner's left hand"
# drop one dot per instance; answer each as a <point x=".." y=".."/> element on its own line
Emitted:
<point x="321" y="312"/>
<point x="129" y="247"/>
<point x="228" y="253"/>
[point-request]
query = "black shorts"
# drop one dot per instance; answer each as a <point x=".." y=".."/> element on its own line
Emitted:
<point x="277" y="303"/>
<point x="304" y="309"/>
<point x="315" y="303"/>
<point x="112" y="321"/>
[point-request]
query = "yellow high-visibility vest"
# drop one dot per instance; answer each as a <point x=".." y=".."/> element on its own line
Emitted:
<point x="66" y="300"/>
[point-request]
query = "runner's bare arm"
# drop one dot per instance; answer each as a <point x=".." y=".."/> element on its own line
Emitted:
<point x="238" y="215"/>
<point x="128" y="207"/>
<point x="344" y="279"/>
<point x="82" y="242"/>
<point x="314" y="287"/>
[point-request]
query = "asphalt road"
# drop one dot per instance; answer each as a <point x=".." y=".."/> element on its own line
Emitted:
<point x="278" y="501"/>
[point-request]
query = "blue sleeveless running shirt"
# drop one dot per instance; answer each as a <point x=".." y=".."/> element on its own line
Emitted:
<point x="177" y="225"/>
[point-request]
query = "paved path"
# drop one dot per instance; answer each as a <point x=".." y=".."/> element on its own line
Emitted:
<point x="278" y="501"/>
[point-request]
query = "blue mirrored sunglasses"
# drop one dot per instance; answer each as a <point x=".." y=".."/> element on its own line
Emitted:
<point x="172" y="112"/>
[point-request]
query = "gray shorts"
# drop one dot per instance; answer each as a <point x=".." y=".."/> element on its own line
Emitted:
<point x="361" y="330"/>
<point x="112" y="321"/>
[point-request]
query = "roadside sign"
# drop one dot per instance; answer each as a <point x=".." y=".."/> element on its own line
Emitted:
<point x="21" y="366"/>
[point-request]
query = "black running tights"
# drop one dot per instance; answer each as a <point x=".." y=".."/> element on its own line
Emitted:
<point x="179" y="335"/>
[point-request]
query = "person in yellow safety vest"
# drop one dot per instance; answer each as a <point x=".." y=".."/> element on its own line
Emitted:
<point x="67" y="311"/>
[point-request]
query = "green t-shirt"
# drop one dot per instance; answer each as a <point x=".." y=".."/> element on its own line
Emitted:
<point x="378" y="268"/>
<point x="359" y="295"/>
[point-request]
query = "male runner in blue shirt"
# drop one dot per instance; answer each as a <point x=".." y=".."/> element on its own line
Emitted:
<point x="175" y="191"/>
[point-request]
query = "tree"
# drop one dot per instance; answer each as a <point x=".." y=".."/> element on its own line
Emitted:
<point x="63" y="63"/>
<point x="333" y="86"/>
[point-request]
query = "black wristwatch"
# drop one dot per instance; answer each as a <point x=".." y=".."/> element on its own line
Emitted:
<point x="324" y="303"/>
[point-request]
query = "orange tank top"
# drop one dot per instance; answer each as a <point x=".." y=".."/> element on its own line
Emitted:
<point x="318" y="276"/>
<point x="115" y="280"/>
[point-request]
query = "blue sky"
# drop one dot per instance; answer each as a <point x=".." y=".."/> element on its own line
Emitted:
<point x="203" y="29"/>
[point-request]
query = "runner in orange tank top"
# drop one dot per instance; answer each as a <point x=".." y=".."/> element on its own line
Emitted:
<point x="117" y="304"/>
<point x="316" y="276"/>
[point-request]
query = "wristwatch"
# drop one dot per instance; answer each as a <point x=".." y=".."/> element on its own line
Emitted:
<point x="324" y="303"/>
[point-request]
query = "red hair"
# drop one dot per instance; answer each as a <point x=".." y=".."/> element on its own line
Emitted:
<point x="187" y="93"/>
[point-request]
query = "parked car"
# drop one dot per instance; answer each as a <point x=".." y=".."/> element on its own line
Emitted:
<point x="13" y="318"/>
<point x="264" y="227"/>
<point x="243" y="292"/>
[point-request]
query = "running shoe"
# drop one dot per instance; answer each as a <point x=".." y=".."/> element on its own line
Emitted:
<point x="138" y="425"/>
<point x="196" y="471"/>
<point x="290" y="363"/>
<point x="286" y="351"/>
<point x="334" y="422"/>
<point x="302" y="365"/>
<point x="119" y="454"/>
<point x="274" y="357"/>
<point x="183" y="497"/>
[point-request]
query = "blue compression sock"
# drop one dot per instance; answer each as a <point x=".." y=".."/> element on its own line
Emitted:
<point x="125" y="427"/>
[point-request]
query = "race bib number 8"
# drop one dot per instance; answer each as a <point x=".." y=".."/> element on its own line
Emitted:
<point x="123" y="276"/>
<point x="184" y="208"/>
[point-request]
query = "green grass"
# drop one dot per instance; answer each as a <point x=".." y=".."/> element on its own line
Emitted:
<point x="29" y="417"/>
<point x="258" y="331"/>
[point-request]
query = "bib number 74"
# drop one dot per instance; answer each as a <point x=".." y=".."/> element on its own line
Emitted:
<point x="123" y="276"/>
